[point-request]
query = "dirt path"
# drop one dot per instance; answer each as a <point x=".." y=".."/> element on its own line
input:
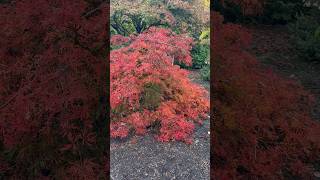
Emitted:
<point x="145" y="158"/>
<point x="272" y="47"/>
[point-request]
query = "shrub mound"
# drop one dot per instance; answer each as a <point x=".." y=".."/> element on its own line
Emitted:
<point x="262" y="124"/>
<point x="149" y="90"/>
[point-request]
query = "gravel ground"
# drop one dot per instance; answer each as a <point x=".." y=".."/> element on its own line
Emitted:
<point x="138" y="158"/>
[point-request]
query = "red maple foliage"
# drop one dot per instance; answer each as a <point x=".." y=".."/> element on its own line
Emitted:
<point x="52" y="65"/>
<point x="262" y="128"/>
<point x="148" y="88"/>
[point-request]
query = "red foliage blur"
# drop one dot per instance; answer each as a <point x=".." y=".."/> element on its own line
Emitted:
<point x="52" y="65"/>
<point x="262" y="123"/>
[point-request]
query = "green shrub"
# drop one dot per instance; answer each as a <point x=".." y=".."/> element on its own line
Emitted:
<point x="305" y="33"/>
<point x="200" y="55"/>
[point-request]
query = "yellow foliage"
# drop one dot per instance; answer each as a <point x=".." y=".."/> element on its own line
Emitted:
<point x="204" y="37"/>
<point x="206" y="3"/>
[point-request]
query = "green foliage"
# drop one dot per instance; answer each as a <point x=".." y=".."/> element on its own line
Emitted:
<point x="128" y="17"/>
<point x="317" y="33"/>
<point x="204" y="34"/>
<point x="205" y="73"/>
<point x="282" y="11"/>
<point x="190" y="16"/>
<point x="121" y="24"/>
<point x="184" y="20"/>
<point x="126" y="23"/>
<point x="181" y="16"/>
<point x="152" y="96"/>
<point x="306" y="36"/>
<point x="200" y="55"/>
<point x="204" y="37"/>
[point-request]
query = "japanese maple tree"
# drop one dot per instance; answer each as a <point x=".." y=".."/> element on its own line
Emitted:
<point x="148" y="89"/>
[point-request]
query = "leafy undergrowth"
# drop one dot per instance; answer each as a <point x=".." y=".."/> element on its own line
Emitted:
<point x="52" y="65"/>
<point x="148" y="90"/>
<point x="262" y="123"/>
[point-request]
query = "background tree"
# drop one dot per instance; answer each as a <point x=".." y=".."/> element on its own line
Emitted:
<point x="129" y="17"/>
